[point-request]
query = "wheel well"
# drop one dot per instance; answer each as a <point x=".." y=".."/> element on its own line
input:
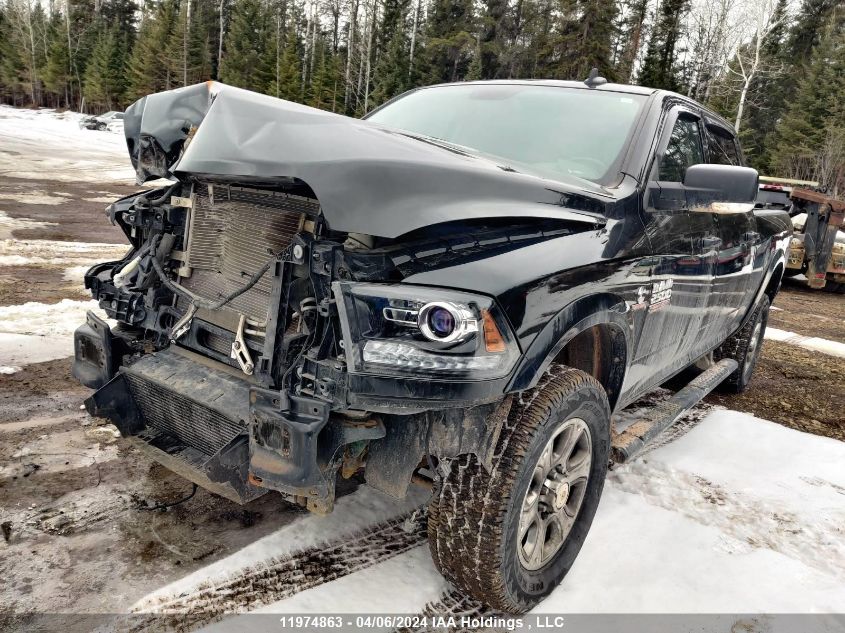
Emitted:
<point x="599" y="351"/>
<point x="774" y="283"/>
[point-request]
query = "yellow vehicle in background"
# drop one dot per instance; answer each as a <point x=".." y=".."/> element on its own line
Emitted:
<point x="817" y="247"/>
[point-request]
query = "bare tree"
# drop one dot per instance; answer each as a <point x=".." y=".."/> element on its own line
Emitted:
<point x="185" y="42"/>
<point x="220" y="39"/>
<point x="20" y="19"/>
<point x="713" y="37"/>
<point x="760" y="18"/>
<point x="414" y="28"/>
<point x="350" y="41"/>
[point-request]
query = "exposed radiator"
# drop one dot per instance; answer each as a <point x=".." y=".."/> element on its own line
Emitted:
<point x="233" y="231"/>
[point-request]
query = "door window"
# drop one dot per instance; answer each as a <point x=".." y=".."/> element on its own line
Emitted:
<point x="684" y="149"/>
<point x="721" y="148"/>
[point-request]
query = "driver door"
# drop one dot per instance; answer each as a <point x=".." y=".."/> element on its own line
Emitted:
<point x="675" y="301"/>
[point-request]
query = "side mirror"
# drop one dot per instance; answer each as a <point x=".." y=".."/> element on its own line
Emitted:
<point x="720" y="188"/>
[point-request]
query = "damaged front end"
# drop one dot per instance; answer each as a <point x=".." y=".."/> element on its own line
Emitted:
<point x="265" y="342"/>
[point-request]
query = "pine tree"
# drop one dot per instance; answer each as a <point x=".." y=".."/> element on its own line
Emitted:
<point x="247" y="57"/>
<point x="392" y="70"/>
<point x="763" y="111"/>
<point x="11" y="65"/>
<point x="105" y="73"/>
<point x="289" y="85"/>
<point x="324" y="90"/>
<point x="492" y="43"/>
<point x="631" y="37"/>
<point x="660" y="68"/>
<point x="586" y="31"/>
<point x="449" y="40"/>
<point x="150" y="67"/>
<point x="57" y="69"/>
<point x="815" y="111"/>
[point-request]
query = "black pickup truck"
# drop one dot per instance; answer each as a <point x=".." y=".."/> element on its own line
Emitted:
<point x="460" y="289"/>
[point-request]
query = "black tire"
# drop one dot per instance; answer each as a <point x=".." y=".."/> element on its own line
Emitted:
<point x="744" y="347"/>
<point x="101" y="127"/>
<point x="474" y="516"/>
<point x="835" y="287"/>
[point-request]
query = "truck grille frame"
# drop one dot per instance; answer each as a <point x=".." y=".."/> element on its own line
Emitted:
<point x="232" y="232"/>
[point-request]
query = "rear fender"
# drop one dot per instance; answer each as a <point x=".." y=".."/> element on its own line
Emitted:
<point x="771" y="280"/>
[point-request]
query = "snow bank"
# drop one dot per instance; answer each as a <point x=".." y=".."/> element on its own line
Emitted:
<point x="45" y="319"/>
<point x="834" y="348"/>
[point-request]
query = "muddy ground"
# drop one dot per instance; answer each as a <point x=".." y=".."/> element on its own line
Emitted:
<point x="797" y="387"/>
<point x="81" y="207"/>
<point x="75" y="498"/>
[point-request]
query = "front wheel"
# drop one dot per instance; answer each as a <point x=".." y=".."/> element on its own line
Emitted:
<point x="508" y="537"/>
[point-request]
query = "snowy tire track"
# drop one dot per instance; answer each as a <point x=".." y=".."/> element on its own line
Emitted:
<point x="450" y="603"/>
<point x="280" y="578"/>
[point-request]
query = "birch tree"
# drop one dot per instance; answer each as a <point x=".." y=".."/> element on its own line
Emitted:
<point x="761" y="18"/>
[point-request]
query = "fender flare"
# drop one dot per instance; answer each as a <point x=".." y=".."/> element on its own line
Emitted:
<point x="577" y="317"/>
<point x="779" y="259"/>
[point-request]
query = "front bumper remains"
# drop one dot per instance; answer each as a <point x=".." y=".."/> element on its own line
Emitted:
<point x="186" y="415"/>
<point x="214" y="427"/>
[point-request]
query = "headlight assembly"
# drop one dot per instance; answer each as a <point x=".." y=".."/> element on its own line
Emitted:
<point x="389" y="329"/>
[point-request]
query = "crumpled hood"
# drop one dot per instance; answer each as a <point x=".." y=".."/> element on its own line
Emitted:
<point x="367" y="178"/>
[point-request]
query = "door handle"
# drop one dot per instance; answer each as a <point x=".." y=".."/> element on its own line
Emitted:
<point x="752" y="237"/>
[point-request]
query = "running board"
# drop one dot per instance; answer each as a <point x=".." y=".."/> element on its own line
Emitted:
<point x="636" y="437"/>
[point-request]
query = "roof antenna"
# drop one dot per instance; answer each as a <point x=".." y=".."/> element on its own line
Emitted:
<point x="593" y="81"/>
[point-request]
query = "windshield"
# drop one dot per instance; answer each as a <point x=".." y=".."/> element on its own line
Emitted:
<point x="545" y="130"/>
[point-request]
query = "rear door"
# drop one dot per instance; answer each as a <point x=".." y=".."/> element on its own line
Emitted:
<point x="739" y="261"/>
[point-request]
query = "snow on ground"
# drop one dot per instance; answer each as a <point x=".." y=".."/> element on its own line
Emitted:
<point x="739" y="515"/>
<point x="834" y="348"/>
<point x="7" y="224"/>
<point x="35" y="197"/>
<point x="352" y="513"/>
<point x="14" y="252"/>
<point x="36" y="332"/>
<point x="38" y="142"/>
<point x="45" y="319"/>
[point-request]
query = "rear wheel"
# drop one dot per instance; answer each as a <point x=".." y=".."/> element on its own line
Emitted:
<point x="744" y="347"/>
<point x="834" y="286"/>
<point x="508" y="537"/>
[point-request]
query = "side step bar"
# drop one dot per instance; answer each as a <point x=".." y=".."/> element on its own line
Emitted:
<point x="636" y="437"/>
